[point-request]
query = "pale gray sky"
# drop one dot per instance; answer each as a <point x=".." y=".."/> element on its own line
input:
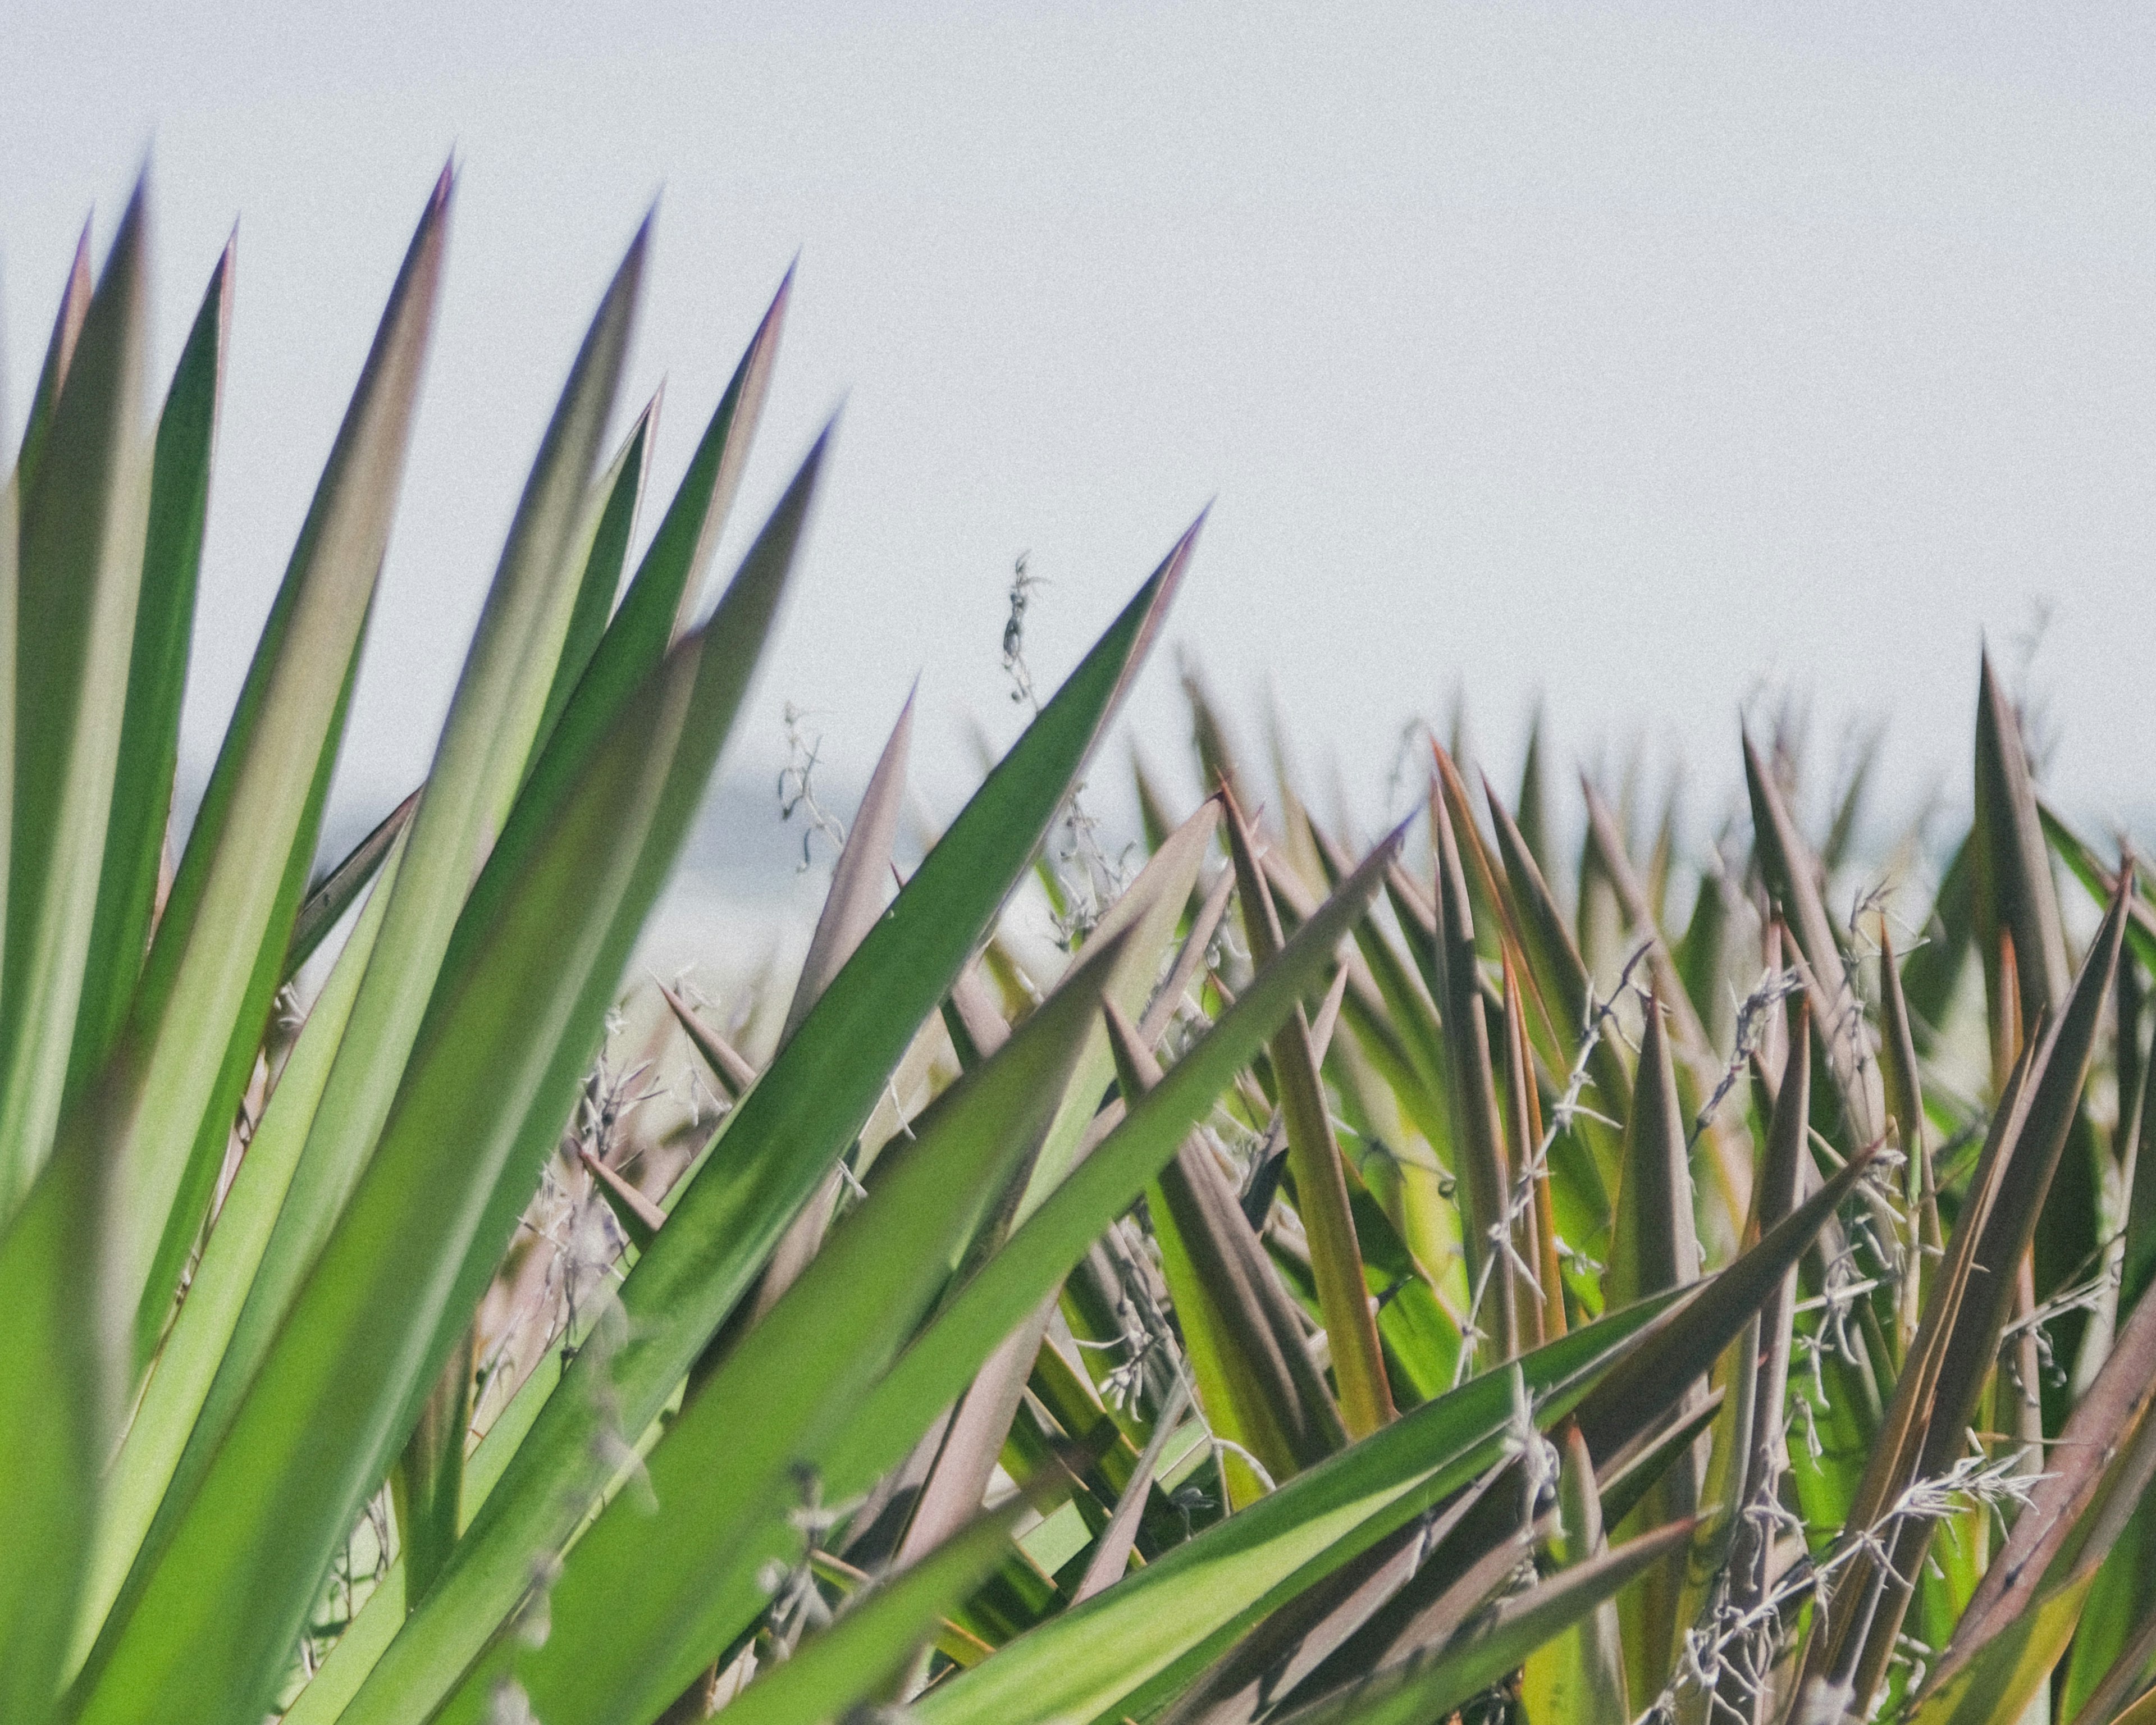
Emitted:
<point x="1631" y="354"/>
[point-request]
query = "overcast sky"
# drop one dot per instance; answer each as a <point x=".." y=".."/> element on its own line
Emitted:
<point x="1635" y="358"/>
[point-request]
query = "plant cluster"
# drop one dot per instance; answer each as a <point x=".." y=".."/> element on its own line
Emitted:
<point x="1341" y="1283"/>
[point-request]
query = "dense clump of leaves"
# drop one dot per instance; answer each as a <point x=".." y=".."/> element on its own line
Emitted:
<point x="1294" y="1281"/>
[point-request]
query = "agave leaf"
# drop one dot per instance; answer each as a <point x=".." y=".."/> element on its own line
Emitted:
<point x="340" y="889"/>
<point x="1486" y="1231"/>
<point x="1741" y="1688"/>
<point x="1493" y="916"/>
<point x="2100" y="882"/>
<point x="80" y="544"/>
<point x="1792" y="878"/>
<point x="478" y="766"/>
<point x="58" y="1404"/>
<point x="60" y="354"/>
<point x="361" y="1646"/>
<point x="1608" y="840"/>
<point x="214" y="967"/>
<point x="1321" y="1184"/>
<point x="137" y="1476"/>
<point x="1433" y="1682"/>
<point x="966" y="1456"/>
<point x="1153" y="818"/>
<point x="1190" y="958"/>
<point x="1044" y="1247"/>
<point x="1401" y="998"/>
<point x="157" y="676"/>
<point x="800" y="1116"/>
<point x="80" y="565"/>
<point x="1702" y="1066"/>
<point x="1655" y="1243"/>
<point x="1578" y="1674"/>
<point x="2096" y="1474"/>
<point x="1497" y="925"/>
<point x="1655" y="1246"/>
<point x="10" y="616"/>
<point x="2016" y="897"/>
<point x="426" y="1485"/>
<point x="858" y="881"/>
<point x="1132" y="1646"/>
<point x="1379" y="996"/>
<point x="1151" y="904"/>
<point x="2116" y="1640"/>
<point x="665" y="592"/>
<point x="1623" y="1479"/>
<point x="1834" y="1646"/>
<point x="1934" y="969"/>
<point x="1596" y="918"/>
<point x="1295" y="1640"/>
<point x="2140" y="1712"/>
<point x="1536" y="1234"/>
<point x="617" y="497"/>
<point x="528" y="977"/>
<point x="2119" y="1665"/>
<point x="850" y="909"/>
<point x="732" y="643"/>
<point x="1905" y="1108"/>
<point x="1561" y="975"/>
<point x="1700" y="953"/>
<point x="1217" y="764"/>
<point x="639" y="1217"/>
<point x="1534" y="821"/>
<point x="2013" y="876"/>
<point x="2009" y="1670"/>
<point x="876" y="1636"/>
<point x="2131" y="1133"/>
<point x="1684" y="1345"/>
<point x="973" y="1441"/>
<point x="730" y="1068"/>
<point x="2056" y="1077"/>
<point x="690" y="1552"/>
<point x="1498" y="1542"/>
<point x="1255" y="1374"/>
<point x="1111" y="1553"/>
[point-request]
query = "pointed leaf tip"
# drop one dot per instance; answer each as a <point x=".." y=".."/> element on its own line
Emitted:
<point x="1156" y="596"/>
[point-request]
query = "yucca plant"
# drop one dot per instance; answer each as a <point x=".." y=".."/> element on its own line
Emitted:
<point x="1331" y="1287"/>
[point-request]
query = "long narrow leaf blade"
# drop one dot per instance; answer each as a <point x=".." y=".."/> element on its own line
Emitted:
<point x="800" y="1116"/>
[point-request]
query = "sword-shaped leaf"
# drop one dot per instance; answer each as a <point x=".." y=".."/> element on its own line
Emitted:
<point x="664" y="1580"/>
<point x="80" y="551"/>
<point x="78" y="568"/>
<point x="801" y="1115"/>
<point x="1133" y="1646"/>
<point x="1433" y="1683"/>
<point x="1320" y="1182"/>
<point x="1792" y="878"/>
<point x="875" y="1637"/>
<point x="526" y="981"/>
<point x="215" y="965"/>
<point x="1255" y="1379"/>
<point x="157" y="676"/>
<point x="60" y="354"/>
<point x="618" y="495"/>
<point x="1496" y="1290"/>
<point x="1707" y="1319"/>
<point x="1656" y="1245"/>
<point x="2057" y="1074"/>
<point x="339" y="889"/>
<point x="470" y="786"/>
<point x="973" y="1442"/>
